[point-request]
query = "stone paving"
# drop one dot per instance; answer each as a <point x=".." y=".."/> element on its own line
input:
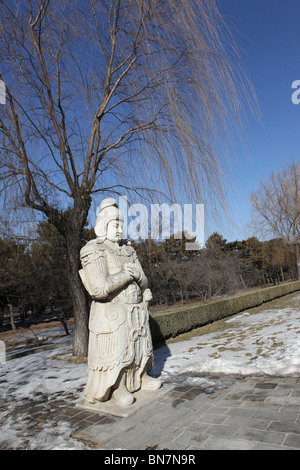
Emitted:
<point x="235" y="413"/>
<point x="259" y="413"/>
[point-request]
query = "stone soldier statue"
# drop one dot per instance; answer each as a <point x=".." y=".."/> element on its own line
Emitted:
<point x="120" y="346"/>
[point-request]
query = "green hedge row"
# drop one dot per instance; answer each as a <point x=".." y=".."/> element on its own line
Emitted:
<point x="172" y="323"/>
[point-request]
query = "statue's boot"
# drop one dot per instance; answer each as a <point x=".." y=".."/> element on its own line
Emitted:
<point x="121" y="394"/>
<point x="123" y="397"/>
<point x="150" y="383"/>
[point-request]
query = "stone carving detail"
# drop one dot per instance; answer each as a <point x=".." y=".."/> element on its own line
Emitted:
<point x="120" y="352"/>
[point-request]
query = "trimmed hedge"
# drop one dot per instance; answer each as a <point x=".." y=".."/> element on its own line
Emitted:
<point x="172" y="323"/>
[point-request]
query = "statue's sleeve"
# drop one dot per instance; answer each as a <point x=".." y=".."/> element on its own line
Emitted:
<point x="96" y="279"/>
<point x="143" y="281"/>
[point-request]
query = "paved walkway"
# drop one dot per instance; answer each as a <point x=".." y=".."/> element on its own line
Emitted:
<point x="247" y="413"/>
<point x="252" y="413"/>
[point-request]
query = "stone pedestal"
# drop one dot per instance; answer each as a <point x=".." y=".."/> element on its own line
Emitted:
<point x="111" y="407"/>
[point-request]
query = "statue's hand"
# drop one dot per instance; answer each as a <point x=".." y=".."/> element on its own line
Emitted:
<point x="134" y="271"/>
<point x="147" y="295"/>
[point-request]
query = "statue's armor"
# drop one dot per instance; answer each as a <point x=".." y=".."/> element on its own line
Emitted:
<point x="119" y="319"/>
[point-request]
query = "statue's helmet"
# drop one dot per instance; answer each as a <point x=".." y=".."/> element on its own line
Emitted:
<point x="108" y="211"/>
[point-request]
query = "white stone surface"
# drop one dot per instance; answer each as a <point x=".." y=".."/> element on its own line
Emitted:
<point x="111" y="407"/>
<point x="120" y="346"/>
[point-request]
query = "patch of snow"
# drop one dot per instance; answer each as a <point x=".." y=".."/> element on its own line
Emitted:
<point x="267" y="342"/>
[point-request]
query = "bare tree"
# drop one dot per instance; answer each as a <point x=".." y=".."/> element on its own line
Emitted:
<point x="276" y="207"/>
<point x="114" y="96"/>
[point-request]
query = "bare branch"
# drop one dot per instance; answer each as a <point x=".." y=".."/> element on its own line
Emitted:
<point x="41" y="13"/>
<point x="277" y="205"/>
<point x="51" y="108"/>
<point x="99" y="33"/>
<point x="157" y="76"/>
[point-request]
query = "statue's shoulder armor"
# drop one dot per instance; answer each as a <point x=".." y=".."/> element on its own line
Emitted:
<point x="91" y="252"/>
<point x="129" y="250"/>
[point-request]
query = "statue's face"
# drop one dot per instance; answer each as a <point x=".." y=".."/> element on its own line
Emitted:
<point x="114" y="231"/>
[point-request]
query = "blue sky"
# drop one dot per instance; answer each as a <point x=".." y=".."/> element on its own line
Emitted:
<point x="268" y="32"/>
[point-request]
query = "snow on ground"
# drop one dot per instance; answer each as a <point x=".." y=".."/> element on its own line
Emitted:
<point x="262" y="341"/>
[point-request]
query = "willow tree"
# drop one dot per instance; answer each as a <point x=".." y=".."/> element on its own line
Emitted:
<point x="114" y="97"/>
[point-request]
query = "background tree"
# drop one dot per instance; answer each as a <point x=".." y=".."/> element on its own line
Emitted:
<point x="276" y="207"/>
<point x="216" y="244"/>
<point x="49" y="272"/>
<point x="114" y="96"/>
<point x="15" y="275"/>
<point x="33" y="274"/>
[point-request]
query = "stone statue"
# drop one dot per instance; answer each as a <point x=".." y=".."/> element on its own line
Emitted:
<point x="120" y="352"/>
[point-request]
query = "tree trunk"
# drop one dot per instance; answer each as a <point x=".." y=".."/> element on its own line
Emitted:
<point x="243" y="282"/>
<point x="12" y="315"/>
<point x="64" y="324"/>
<point x="70" y="224"/>
<point x="79" y="297"/>
<point x="60" y="317"/>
